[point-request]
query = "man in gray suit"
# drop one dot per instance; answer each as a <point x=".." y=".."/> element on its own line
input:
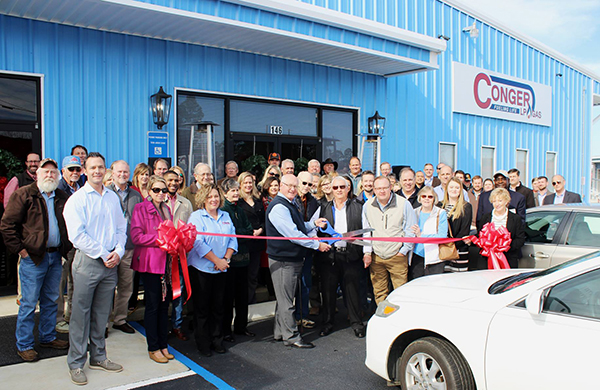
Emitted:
<point x="561" y="195"/>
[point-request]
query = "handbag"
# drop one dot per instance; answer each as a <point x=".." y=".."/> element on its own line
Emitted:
<point x="448" y="250"/>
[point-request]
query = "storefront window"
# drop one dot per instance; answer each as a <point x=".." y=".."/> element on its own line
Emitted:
<point x="337" y="137"/>
<point x="190" y="111"/>
<point x="522" y="164"/>
<point x="448" y="154"/>
<point x="271" y="118"/>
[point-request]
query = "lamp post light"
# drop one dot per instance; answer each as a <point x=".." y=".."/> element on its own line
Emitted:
<point x="160" y="103"/>
<point x="376" y="126"/>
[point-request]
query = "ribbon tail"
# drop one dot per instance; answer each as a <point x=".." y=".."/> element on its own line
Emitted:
<point x="186" y="274"/>
<point x="175" y="281"/>
<point x="503" y="263"/>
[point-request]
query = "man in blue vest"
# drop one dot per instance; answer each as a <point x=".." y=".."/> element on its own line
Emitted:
<point x="286" y="257"/>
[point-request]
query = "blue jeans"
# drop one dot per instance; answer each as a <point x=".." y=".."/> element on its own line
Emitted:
<point x="177" y="313"/>
<point x="38" y="283"/>
<point x="305" y="285"/>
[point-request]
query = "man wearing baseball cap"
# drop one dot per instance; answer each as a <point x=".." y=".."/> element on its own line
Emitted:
<point x="517" y="201"/>
<point x="71" y="172"/>
<point x="69" y="183"/>
<point x="33" y="226"/>
<point x="274" y="159"/>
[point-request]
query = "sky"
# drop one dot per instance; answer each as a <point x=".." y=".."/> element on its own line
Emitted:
<point x="570" y="27"/>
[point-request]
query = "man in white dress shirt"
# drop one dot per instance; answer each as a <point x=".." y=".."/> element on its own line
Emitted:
<point x="98" y="230"/>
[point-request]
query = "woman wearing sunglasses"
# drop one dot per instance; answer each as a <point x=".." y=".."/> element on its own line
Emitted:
<point x="433" y="222"/>
<point x="272" y="171"/>
<point x="154" y="267"/>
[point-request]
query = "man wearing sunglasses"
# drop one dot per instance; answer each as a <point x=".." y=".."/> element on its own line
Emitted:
<point x="344" y="263"/>
<point x="561" y="195"/>
<point x="307" y="205"/>
<point x="129" y="198"/>
<point x="286" y="257"/>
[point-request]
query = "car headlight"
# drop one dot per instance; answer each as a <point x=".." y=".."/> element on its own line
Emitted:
<point x="386" y="309"/>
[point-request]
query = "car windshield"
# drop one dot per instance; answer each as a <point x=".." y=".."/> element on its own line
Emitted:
<point x="507" y="284"/>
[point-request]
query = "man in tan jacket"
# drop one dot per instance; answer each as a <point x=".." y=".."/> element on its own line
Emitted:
<point x="391" y="216"/>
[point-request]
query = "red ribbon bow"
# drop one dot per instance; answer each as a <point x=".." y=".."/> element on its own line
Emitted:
<point x="493" y="243"/>
<point x="177" y="242"/>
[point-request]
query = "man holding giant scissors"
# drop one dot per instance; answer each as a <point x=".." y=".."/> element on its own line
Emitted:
<point x="345" y="260"/>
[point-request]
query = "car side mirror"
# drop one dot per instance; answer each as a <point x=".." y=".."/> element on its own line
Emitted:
<point x="534" y="302"/>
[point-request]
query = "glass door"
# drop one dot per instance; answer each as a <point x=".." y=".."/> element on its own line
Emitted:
<point x="252" y="151"/>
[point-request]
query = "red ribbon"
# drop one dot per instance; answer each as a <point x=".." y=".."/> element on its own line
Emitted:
<point x="416" y="240"/>
<point x="177" y="242"/>
<point x="493" y="243"/>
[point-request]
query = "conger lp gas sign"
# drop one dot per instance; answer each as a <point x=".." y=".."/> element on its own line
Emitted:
<point x="480" y="92"/>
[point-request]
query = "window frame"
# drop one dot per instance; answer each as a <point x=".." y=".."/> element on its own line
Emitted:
<point x="454" y="146"/>
<point x="524" y="172"/>
<point x="494" y="162"/>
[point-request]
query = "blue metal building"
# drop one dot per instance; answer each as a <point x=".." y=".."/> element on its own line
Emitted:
<point x="298" y="77"/>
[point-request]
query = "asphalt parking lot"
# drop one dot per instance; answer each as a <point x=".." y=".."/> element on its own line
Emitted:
<point x="337" y="362"/>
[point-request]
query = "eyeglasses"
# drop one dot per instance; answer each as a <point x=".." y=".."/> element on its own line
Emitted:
<point x="556" y="182"/>
<point x="74" y="169"/>
<point x="381" y="188"/>
<point x="290" y="186"/>
<point x="335" y="188"/>
<point x="156" y="190"/>
<point x="426" y="196"/>
<point x="305" y="183"/>
<point x="274" y="174"/>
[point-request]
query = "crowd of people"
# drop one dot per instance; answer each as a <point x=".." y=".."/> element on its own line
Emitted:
<point x="91" y="229"/>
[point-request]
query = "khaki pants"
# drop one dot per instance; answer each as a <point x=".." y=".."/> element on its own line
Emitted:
<point x="124" y="288"/>
<point x="382" y="270"/>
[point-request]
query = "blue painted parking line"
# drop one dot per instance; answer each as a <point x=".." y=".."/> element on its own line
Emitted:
<point x="203" y="372"/>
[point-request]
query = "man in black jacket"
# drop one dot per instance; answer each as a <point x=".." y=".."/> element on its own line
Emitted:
<point x="33" y="226"/>
<point x="409" y="190"/>
<point x="514" y="177"/>
<point x="344" y="262"/>
<point x="561" y="195"/>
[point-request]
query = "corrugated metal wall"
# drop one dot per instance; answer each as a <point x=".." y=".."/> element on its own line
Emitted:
<point x="418" y="107"/>
<point x="97" y="86"/>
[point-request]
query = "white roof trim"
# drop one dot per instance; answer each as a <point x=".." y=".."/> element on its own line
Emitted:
<point x="143" y="19"/>
<point x="521" y="37"/>
<point x="298" y="9"/>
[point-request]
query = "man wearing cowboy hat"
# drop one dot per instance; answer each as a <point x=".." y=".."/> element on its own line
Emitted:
<point x="329" y="166"/>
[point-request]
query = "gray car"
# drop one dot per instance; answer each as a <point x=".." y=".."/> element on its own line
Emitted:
<point x="557" y="233"/>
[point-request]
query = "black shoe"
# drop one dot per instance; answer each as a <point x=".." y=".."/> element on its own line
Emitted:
<point x="229" y="338"/>
<point x="125" y="327"/>
<point x="219" y="348"/>
<point x="106" y="333"/>
<point x="360" y="333"/>
<point x="302" y="344"/>
<point x="246" y="332"/>
<point x="326" y="331"/>
<point x="206" y="353"/>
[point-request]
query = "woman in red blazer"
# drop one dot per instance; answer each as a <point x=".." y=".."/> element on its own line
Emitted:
<point x="154" y="266"/>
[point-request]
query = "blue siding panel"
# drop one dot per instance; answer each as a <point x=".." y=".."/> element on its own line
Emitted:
<point x="97" y="84"/>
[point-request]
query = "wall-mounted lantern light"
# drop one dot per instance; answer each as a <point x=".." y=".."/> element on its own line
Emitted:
<point x="160" y="103"/>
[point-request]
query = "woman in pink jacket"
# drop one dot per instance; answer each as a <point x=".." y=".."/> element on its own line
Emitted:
<point x="154" y="267"/>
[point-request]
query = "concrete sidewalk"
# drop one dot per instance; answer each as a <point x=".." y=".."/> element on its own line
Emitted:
<point x="130" y="350"/>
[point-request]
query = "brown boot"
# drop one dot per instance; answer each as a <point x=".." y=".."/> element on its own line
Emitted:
<point x="56" y="344"/>
<point x="29" y="355"/>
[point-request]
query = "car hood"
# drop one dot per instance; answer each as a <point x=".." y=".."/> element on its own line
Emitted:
<point x="453" y="287"/>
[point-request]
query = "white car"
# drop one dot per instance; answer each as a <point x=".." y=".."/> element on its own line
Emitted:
<point x="496" y="330"/>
